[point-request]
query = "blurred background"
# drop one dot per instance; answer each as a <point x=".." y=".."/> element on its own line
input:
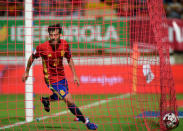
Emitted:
<point x="88" y="9"/>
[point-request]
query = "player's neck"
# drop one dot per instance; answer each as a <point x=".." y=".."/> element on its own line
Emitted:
<point x="54" y="46"/>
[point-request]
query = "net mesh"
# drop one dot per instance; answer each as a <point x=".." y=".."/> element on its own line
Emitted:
<point x="121" y="56"/>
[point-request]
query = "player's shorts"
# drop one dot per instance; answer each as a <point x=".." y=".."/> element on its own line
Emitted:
<point x="59" y="89"/>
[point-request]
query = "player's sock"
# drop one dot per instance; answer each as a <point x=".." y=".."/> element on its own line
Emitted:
<point x="46" y="103"/>
<point x="76" y="111"/>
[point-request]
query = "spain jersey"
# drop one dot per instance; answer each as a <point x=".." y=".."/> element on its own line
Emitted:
<point x="52" y="60"/>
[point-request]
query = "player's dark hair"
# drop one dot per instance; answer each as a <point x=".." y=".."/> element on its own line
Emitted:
<point x="54" y="27"/>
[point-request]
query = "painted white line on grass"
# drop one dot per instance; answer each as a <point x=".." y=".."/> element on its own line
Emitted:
<point x="66" y="111"/>
<point x="13" y="125"/>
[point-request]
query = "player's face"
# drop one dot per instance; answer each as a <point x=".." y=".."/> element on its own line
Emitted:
<point x="54" y="36"/>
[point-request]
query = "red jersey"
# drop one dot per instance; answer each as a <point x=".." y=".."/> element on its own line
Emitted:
<point x="53" y="60"/>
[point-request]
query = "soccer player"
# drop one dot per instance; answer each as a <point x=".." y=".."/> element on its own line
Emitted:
<point x="52" y="53"/>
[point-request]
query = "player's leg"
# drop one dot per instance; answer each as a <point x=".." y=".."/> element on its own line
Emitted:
<point x="46" y="100"/>
<point x="46" y="103"/>
<point x="66" y="96"/>
<point x="60" y="89"/>
<point x="76" y="111"/>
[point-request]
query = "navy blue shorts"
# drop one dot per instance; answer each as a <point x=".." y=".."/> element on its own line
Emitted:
<point x="59" y="89"/>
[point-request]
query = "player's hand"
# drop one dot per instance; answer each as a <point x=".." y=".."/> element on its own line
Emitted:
<point x="76" y="80"/>
<point x="25" y="76"/>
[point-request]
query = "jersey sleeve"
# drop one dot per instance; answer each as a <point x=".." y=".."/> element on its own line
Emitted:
<point x="67" y="52"/>
<point x="36" y="52"/>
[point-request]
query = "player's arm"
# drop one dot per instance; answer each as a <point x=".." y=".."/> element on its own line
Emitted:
<point x="34" y="55"/>
<point x="29" y="64"/>
<point x="71" y="65"/>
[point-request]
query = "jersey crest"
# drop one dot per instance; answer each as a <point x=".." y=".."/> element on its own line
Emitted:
<point x="62" y="53"/>
<point x="49" y="55"/>
<point x="62" y="92"/>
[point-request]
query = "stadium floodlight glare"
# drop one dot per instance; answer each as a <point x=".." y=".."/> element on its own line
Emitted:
<point x="28" y="51"/>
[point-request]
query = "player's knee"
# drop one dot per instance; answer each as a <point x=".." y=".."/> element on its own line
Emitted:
<point x="70" y="102"/>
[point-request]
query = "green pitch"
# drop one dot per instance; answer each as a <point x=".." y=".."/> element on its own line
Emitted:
<point x="109" y="112"/>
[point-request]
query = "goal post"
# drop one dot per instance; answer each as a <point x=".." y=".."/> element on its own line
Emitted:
<point x="28" y="51"/>
<point x="135" y="64"/>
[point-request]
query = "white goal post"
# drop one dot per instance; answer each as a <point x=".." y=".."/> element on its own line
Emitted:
<point x="28" y="33"/>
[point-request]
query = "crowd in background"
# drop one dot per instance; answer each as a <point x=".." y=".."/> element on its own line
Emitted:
<point x="11" y="7"/>
<point x="173" y="8"/>
<point x="43" y="7"/>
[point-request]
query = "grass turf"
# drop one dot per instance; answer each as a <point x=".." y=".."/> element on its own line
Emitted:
<point x="109" y="114"/>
